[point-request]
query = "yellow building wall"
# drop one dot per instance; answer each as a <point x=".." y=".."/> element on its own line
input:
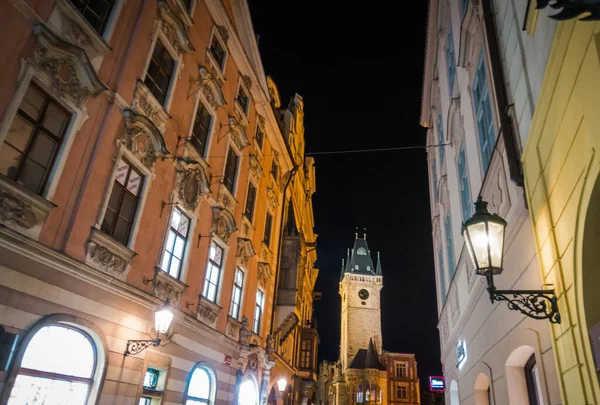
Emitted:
<point x="561" y="164"/>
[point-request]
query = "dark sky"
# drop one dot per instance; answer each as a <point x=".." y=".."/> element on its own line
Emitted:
<point x="359" y="69"/>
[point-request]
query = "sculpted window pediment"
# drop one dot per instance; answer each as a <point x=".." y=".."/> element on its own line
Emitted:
<point x="237" y="134"/>
<point x="471" y="35"/>
<point x="455" y="132"/>
<point x="193" y="182"/>
<point x="143" y="138"/>
<point x="65" y="67"/>
<point x="256" y="170"/>
<point x="264" y="273"/>
<point x="210" y="87"/>
<point x="245" y="251"/>
<point x="174" y="29"/>
<point x="144" y="103"/>
<point x="223" y="224"/>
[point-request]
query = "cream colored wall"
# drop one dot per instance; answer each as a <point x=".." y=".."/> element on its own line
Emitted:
<point x="561" y="166"/>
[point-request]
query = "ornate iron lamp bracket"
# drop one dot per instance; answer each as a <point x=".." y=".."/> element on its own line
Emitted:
<point x="137" y="346"/>
<point x="536" y="304"/>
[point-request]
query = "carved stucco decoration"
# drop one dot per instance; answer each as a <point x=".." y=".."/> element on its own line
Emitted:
<point x="264" y="273"/>
<point x="66" y="67"/>
<point x="145" y="104"/>
<point x="223" y="224"/>
<point x="174" y="29"/>
<point x="166" y="287"/>
<point x="244" y="251"/>
<point x="207" y="311"/>
<point x="256" y="170"/>
<point x="247" y="82"/>
<point x="272" y="200"/>
<point x="287" y="326"/>
<point x="265" y="254"/>
<point x="237" y="133"/>
<point x="143" y="138"/>
<point x="73" y="32"/>
<point x="223" y="33"/>
<point x="15" y="211"/>
<point x="211" y="87"/>
<point x="192" y="183"/>
<point x="225" y="199"/>
<point x="233" y="328"/>
<point x="104" y="253"/>
<point x="244" y="333"/>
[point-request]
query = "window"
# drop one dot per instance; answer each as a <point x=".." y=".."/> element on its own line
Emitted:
<point x="230" y="170"/>
<point x="401" y="369"/>
<point x="275" y="170"/>
<point x="160" y="72"/>
<point x="359" y="394"/>
<point x="172" y="258"/>
<point x="248" y="394"/>
<point x="243" y="99"/>
<point x="258" y="311"/>
<point x="463" y="178"/>
<point x="236" y="296"/>
<point x="151" y="378"/>
<point x="463" y="6"/>
<point x="218" y="52"/>
<point x="450" y="60"/>
<point x="401" y="391"/>
<point x="250" y="199"/>
<point x="57" y="368"/>
<point x="123" y="202"/>
<point x="33" y="140"/>
<point x="449" y="245"/>
<point x="145" y="401"/>
<point x="213" y="272"/>
<point x="96" y="12"/>
<point x="268" y="228"/>
<point x="532" y="378"/>
<point x="436" y="192"/>
<point x="200" y="388"/>
<point x="306" y="353"/>
<point x="259" y="138"/>
<point x="361" y="251"/>
<point x="483" y="113"/>
<point x="201" y="129"/>
<point x="440" y="132"/>
<point x="442" y="275"/>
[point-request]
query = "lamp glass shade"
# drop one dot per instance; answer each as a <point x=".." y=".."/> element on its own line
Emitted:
<point x="281" y="384"/>
<point x="484" y="237"/>
<point x="162" y="319"/>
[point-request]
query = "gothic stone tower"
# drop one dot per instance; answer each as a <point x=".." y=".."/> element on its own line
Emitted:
<point x="360" y="287"/>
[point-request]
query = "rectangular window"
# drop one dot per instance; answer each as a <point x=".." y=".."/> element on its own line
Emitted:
<point x="230" y="170"/>
<point x="243" y="99"/>
<point x="440" y="132"/>
<point x="436" y="192"/>
<point x="449" y="246"/>
<point x="268" y="228"/>
<point x="160" y="72"/>
<point x="236" y="296"/>
<point x="217" y="52"/>
<point x="400" y="369"/>
<point x="201" y="129"/>
<point x="442" y="275"/>
<point x="275" y="170"/>
<point x="151" y="378"/>
<point x="532" y="379"/>
<point x="145" y="401"/>
<point x="213" y="272"/>
<point x="258" y="311"/>
<point x="401" y="391"/>
<point x="306" y="353"/>
<point x="463" y="178"/>
<point x="96" y="12"/>
<point x="483" y="113"/>
<point x="123" y="202"/>
<point x="463" y="6"/>
<point x="172" y="258"/>
<point x="450" y="60"/>
<point x="33" y="140"/>
<point x="250" y="199"/>
<point x="259" y="138"/>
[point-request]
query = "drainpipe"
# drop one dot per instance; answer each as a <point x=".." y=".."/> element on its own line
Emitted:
<point x="506" y="128"/>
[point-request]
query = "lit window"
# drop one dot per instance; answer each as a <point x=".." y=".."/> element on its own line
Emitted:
<point x="250" y="200"/>
<point x="200" y="388"/>
<point x="401" y="391"/>
<point x="306" y="353"/>
<point x="231" y="166"/>
<point x="217" y="51"/>
<point x="57" y="368"/>
<point x="123" y="202"/>
<point x="213" y="272"/>
<point x="449" y="246"/>
<point x="236" y="296"/>
<point x="361" y="251"/>
<point x="400" y="369"/>
<point x="532" y="378"/>
<point x="160" y="72"/>
<point x="483" y="113"/>
<point x="243" y="99"/>
<point x="175" y="245"/>
<point x="96" y="12"/>
<point x="33" y="140"/>
<point x="151" y="378"/>
<point x="201" y="129"/>
<point x="145" y="400"/>
<point x="248" y="393"/>
<point x="450" y="60"/>
<point x="258" y="311"/>
<point x="463" y="177"/>
<point x="268" y="229"/>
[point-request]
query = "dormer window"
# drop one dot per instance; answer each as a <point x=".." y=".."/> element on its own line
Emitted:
<point x="96" y="12"/>
<point x="217" y="51"/>
<point x="356" y="267"/>
<point x="361" y="251"/>
<point x="243" y="99"/>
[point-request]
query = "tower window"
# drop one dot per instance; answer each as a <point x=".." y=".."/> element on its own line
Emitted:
<point x="361" y="251"/>
<point x="401" y="369"/>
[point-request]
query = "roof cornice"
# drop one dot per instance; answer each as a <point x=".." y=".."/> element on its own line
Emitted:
<point x="430" y="57"/>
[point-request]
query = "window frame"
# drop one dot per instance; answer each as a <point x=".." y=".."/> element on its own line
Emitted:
<point x="463" y="183"/>
<point x="401" y="388"/>
<point x="105" y="23"/>
<point x="249" y="213"/>
<point x="259" y="145"/>
<point x="260" y="307"/>
<point x="268" y="230"/>
<point x="531" y="382"/>
<point x="168" y="48"/>
<point x="450" y="55"/>
<point x="212" y="380"/>
<point x="241" y="297"/>
<point x="450" y="245"/>
<point x="306" y="356"/>
<point x="236" y="170"/>
<point x="207" y="276"/>
<point x="441" y="137"/>
<point x="442" y="275"/>
<point x="211" y="125"/>
<point x="242" y="88"/>
<point x="215" y="35"/>
<point x="186" y="241"/>
<point x="485" y="142"/>
<point x="401" y="365"/>
<point x="274" y="173"/>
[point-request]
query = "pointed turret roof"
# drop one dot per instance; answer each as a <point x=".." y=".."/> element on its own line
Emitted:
<point x="378" y="269"/>
<point x="360" y="261"/>
<point x="367" y="358"/>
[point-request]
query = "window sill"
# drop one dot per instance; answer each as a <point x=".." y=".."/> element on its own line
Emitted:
<point x="146" y="104"/>
<point x="21" y="209"/>
<point x="207" y="311"/>
<point x="233" y="328"/>
<point x="106" y="254"/>
<point x="165" y="286"/>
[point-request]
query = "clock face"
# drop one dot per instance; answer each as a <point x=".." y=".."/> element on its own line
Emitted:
<point x="363" y="294"/>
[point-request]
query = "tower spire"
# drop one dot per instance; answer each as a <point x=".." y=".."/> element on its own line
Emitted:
<point x="378" y="270"/>
<point x="365" y="233"/>
<point x="356" y="233"/>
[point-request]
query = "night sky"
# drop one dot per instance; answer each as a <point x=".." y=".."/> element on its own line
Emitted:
<point x="359" y="69"/>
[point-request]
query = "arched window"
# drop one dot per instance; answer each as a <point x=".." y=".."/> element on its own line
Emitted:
<point x="200" y="389"/>
<point x="57" y="367"/>
<point x="248" y="393"/>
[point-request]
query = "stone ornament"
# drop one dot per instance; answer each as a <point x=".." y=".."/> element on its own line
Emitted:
<point x="15" y="211"/>
<point x="223" y="33"/>
<point x="65" y="66"/>
<point x="272" y="200"/>
<point x="73" y="31"/>
<point x="244" y="332"/>
<point x="237" y="133"/>
<point x="103" y="257"/>
<point x="211" y="87"/>
<point x="264" y="273"/>
<point x="256" y="170"/>
<point x="108" y="255"/>
<point x="244" y="251"/>
<point x="143" y="138"/>
<point x="265" y="254"/>
<point x="225" y="199"/>
<point x="144" y="103"/>
<point x="286" y="327"/>
<point x="167" y="287"/>
<point x="233" y="328"/>
<point x="223" y="224"/>
<point x="207" y="311"/>
<point x="174" y="29"/>
<point x="192" y="184"/>
<point x="247" y="82"/>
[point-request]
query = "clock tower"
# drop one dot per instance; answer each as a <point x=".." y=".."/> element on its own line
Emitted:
<point x="360" y="287"/>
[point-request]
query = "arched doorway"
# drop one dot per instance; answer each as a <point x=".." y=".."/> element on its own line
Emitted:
<point x="454" y="397"/>
<point x="272" y="399"/>
<point x="482" y="392"/>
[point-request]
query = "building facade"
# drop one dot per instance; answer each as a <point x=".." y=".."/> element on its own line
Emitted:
<point x="146" y="161"/>
<point x="561" y="166"/>
<point x="483" y="79"/>
<point x="365" y="373"/>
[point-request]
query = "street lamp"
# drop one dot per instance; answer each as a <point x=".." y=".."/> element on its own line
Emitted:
<point x="281" y="384"/>
<point x="484" y="237"/>
<point x="162" y="320"/>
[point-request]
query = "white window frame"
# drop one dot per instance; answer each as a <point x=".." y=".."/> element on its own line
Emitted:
<point x="259" y="148"/>
<point x="257" y="328"/>
<point x="215" y="35"/>
<point x="190" y="148"/>
<point x="186" y="248"/>
<point x="223" y="248"/>
<point x="241" y="85"/>
<point x="149" y="176"/>
<point x="240" y="304"/>
<point x="398" y="366"/>
<point x="268" y="212"/>
<point x="159" y="35"/>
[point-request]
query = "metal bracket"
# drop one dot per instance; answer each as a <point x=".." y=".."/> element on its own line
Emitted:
<point x="137" y="346"/>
